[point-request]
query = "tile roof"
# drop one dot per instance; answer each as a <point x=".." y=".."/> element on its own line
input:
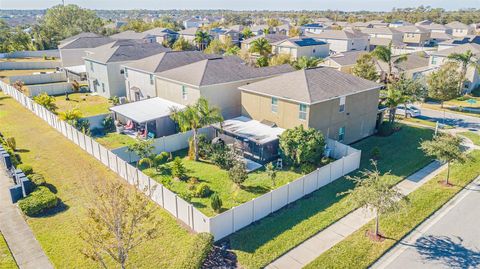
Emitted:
<point x="311" y="86"/>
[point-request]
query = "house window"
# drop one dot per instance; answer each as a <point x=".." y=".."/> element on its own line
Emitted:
<point x="341" y="134"/>
<point x="184" y="93"/>
<point x="151" y="79"/>
<point x="95" y="86"/>
<point x="434" y="59"/>
<point x="126" y="72"/>
<point x="274" y="105"/>
<point x="91" y="67"/>
<point x="302" y="112"/>
<point x="103" y="87"/>
<point x="342" y="104"/>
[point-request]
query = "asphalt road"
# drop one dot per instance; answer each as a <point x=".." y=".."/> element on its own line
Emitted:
<point x="455" y="119"/>
<point x="449" y="239"/>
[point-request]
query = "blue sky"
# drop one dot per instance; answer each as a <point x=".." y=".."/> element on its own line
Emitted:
<point x="347" y="5"/>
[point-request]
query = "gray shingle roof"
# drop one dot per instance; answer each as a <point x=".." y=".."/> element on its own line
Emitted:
<point x="339" y="34"/>
<point x="271" y="38"/>
<point x="301" y="42"/>
<point x="189" y="31"/>
<point x="474" y="48"/>
<point x="159" y="31"/>
<point x="125" y="50"/>
<point x="84" y="34"/>
<point x="462" y="40"/>
<point x="346" y="58"/>
<point x="220" y="70"/>
<point x="412" y="29"/>
<point x="456" y="25"/>
<point x="129" y="35"/>
<point x="414" y="61"/>
<point x="86" y="42"/>
<point x="381" y="31"/>
<point x="311" y="86"/>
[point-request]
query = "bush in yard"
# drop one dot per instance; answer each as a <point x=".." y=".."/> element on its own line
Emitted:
<point x="202" y="245"/>
<point x="27" y="169"/>
<point x="192" y="183"/>
<point x="222" y="156"/>
<point x="204" y="146"/>
<point x="238" y="173"/>
<point x="38" y="201"/>
<point x="300" y="146"/>
<point x="215" y="202"/>
<point x="46" y="101"/>
<point x="386" y="128"/>
<point x="375" y="153"/>
<point x="202" y="191"/>
<point x="178" y="168"/>
<point x="108" y="124"/>
<point x="37" y="179"/>
<point x="11" y="143"/>
<point x="307" y="168"/>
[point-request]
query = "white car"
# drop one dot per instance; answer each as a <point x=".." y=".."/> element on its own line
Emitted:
<point x="412" y="111"/>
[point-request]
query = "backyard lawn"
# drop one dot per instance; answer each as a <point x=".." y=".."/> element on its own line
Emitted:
<point x="259" y="244"/>
<point x="89" y="105"/>
<point x="115" y="140"/>
<point x="357" y="251"/>
<point x="6" y="258"/>
<point x="217" y="179"/>
<point x="475" y="137"/>
<point x="67" y="167"/>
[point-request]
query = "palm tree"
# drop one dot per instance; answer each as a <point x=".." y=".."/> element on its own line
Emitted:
<point x="306" y="63"/>
<point x="261" y="46"/>
<point x="392" y="98"/>
<point x="194" y="117"/>
<point x="465" y="60"/>
<point x="202" y="39"/>
<point x="247" y="33"/>
<point x="71" y="116"/>
<point x="385" y="54"/>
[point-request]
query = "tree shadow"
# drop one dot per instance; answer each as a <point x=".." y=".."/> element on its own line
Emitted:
<point x="60" y="208"/>
<point x="448" y="251"/>
<point x="4" y="97"/>
<point x="22" y="150"/>
<point x="51" y="187"/>
<point x="255" y="189"/>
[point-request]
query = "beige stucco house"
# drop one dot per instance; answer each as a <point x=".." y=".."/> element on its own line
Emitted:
<point x="340" y="105"/>
<point x="298" y="47"/>
<point x="415" y="35"/>
<point x="460" y="29"/>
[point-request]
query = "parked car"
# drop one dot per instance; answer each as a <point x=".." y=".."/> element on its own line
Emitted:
<point x="412" y="111"/>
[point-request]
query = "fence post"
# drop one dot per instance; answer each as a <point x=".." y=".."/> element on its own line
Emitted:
<point x="99" y="152"/>
<point x="318" y="178"/>
<point x="176" y="206"/>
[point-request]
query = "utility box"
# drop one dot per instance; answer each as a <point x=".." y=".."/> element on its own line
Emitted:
<point x="27" y="185"/>
<point x="16" y="193"/>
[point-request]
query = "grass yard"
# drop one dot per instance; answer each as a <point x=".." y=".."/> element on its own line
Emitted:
<point x="66" y="167"/>
<point x="421" y="121"/>
<point x="259" y="244"/>
<point x="89" y="105"/>
<point x="217" y="179"/>
<point x="438" y="107"/>
<point x="4" y="74"/>
<point x="6" y="258"/>
<point x="475" y="137"/>
<point x="357" y="251"/>
<point x="30" y="59"/>
<point x="115" y="140"/>
<point x="464" y="103"/>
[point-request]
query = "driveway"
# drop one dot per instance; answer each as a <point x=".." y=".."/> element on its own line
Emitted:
<point x="449" y="239"/>
<point x="455" y="119"/>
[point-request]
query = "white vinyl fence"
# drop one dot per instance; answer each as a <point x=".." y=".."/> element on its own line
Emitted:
<point x="40" y="78"/>
<point x="50" y="89"/>
<point x="29" y="65"/>
<point x="348" y="159"/>
<point x="31" y="53"/>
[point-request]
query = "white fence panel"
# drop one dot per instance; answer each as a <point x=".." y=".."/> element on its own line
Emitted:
<point x="222" y="225"/>
<point x="262" y="206"/>
<point x="131" y="174"/>
<point x="75" y="136"/>
<point x="351" y="162"/>
<point x="310" y="182"/>
<point x="112" y="161"/>
<point x="337" y="169"/>
<point x="122" y="168"/>
<point x="63" y="127"/>
<point x="156" y="191"/>
<point x="103" y="155"/>
<point x="96" y="150"/>
<point x="242" y="215"/>
<point x="201" y="223"/>
<point x="81" y="140"/>
<point x="170" y="201"/>
<point x="184" y="210"/>
<point x="70" y="131"/>
<point x="295" y="190"/>
<point x="324" y="176"/>
<point x="88" y="145"/>
<point x="279" y="198"/>
<point x="143" y="183"/>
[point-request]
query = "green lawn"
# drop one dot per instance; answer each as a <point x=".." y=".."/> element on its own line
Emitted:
<point x="475" y="137"/>
<point x="357" y="251"/>
<point x="464" y="103"/>
<point x="67" y="167"/>
<point x="438" y="107"/>
<point x="258" y="183"/>
<point x="114" y="140"/>
<point x="259" y="244"/>
<point x="429" y="123"/>
<point x="89" y="105"/>
<point x="6" y="258"/>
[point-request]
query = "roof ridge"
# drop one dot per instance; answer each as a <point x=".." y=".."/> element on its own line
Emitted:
<point x="204" y="70"/>
<point x="307" y="85"/>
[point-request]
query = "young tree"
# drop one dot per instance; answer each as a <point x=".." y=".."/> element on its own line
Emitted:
<point x="465" y="60"/>
<point x="446" y="148"/>
<point x="118" y="219"/>
<point x="234" y="50"/>
<point x="142" y="148"/>
<point x="411" y="89"/>
<point x="294" y="31"/>
<point x="305" y="63"/>
<point x="181" y="44"/>
<point x="372" y="191"/>
<point x="46" y="101"/>
<point x="194" y="117"/>
<point x="443" y="84"/>
<point x="300" y="146"/>
<point x="238" y="173"/>
<point x="385" y="54"/>
<point x="215" y="47"/>
<point x="273" y="22"/>
<point x="365" y="68"/>
<point x="71" y="116"/>
<point x="272" y="172"/>
<point x="215" y="202"/>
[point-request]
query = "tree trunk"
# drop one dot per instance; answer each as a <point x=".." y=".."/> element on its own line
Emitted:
<point x="391" y="116"/>
<point x="195" y="144"/>
<point x="405" y="108"/>
<point x="448" y="173"/>
<point x="377" y="224"/>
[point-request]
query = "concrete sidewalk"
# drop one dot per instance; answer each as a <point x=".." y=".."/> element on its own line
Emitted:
<point x="309" y="250"/>
<point x="25" y="249"/>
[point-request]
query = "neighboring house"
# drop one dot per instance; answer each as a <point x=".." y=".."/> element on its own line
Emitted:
<point x="103" y="64"/>
<point x="384" y="33"/>
<point x="260" y="29"/>
<point x="162" y="34"/>
<point x="398" y="23"/>
<point x="342" y="106"/>
<point x="140" y="79"/>
<point x="473" y="77"/>
<point x="125" y="35"/>
<point x="271" y="38"/>
<point x="216" y="79"/>
<point x="239" y="28"/>
<point x="189" y="34"/>
<point x="314" y="28"/>
<point x="298" y="47"/>
<point x="378" y="23"/>
<point x="283" y="29"/>
<point x="416" y="36"/>
<point x="343" y="61"/>
<point x="343" y="40"/>
<point x="194" y="23"/>
<point x="473" y="39"/>
<point x="222" y="35"/>
<point x="460" y="29"/>
<point x="360" y="25"/>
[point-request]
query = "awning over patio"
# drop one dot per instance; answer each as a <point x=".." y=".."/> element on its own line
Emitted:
<point x="146" y="110"/>
<point x="252" y="130"/>
<point x="77" y="69"/>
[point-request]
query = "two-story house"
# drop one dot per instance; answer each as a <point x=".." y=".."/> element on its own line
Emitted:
<point x="162" y="34"/>
<point x="298" y="47"/>
<point x="416" y="36"/>
<point x="460" y="29"/>
<point x="343" y="40"/>
<point x="314" y="28"/>
<point x="342" y="106"/>
<point x="271" y="38"/>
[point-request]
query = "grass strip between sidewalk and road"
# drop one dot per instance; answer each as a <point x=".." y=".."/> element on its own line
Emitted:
<point x="358" y="251"/>
<point x="475" y="137"/>
<point x="6" y="259"/>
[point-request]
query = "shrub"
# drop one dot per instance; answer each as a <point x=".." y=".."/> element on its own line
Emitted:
<point x="215" y="202"/>
<point x="11" y="143"/>
<point x="192" y="183"/>
<point x="202" y="245"/>
<point x="83" y="125"/>
<point x="386" y="129"/>
<point x="27" y="169"/>
<point x="178" y="168"/>
<point x="38" y="201"/>
<point x="238" y="173"/>
<point x="299" y="146"/>
<point x="222" y="156"/>
<point x="46" y="101"/>
<point x="202" y="191"/>
<point x="161" y="158"/>
<point x="375" y="153"/>
<point x="204" y="146"/>
<point x="108" y="124"/>
<point x="307" y="168"/>
<point x="37" y="179"/>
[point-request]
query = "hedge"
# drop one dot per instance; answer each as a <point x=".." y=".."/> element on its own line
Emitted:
<point x="38" y="201"/>
<point x="26" y="168"/>
<point x="202" y="245"/>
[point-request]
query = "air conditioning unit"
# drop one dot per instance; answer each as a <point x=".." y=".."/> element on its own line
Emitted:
<point x="122" y="100"/>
